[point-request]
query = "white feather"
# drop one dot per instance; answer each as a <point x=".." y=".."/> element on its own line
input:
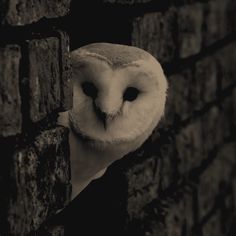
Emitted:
<point x="111" y="68"/>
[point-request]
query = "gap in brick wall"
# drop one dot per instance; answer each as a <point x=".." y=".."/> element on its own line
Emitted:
<point x="97" y="24"/>
<point x="39" y="30"/>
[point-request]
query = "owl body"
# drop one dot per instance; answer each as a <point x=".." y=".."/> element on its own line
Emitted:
<point x="119" y="95"/>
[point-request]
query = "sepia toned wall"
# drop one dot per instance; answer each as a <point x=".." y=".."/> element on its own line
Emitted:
<point x="34" y="86"/>
<point x="182" y="181"/>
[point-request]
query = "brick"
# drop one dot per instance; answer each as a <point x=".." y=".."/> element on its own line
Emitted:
<point x="213" y="130"/>
<point x="177" y="218"/>
<point x="155" y="33"/>
<point x="234" y="108"/>
<point x="177" y="105"/>
<point x="10" y="101"/>
<point x="219" y="173"/>
<point x="189" y="145"/>
<point x="206" y="79"/>
<point x="215" y="21"/>
<point x="51" y="230"/>
<point x="190" y="19"/>
<point x="44" y="77"/>
<point x="231" y="18"/>
<point x="38" y="181"/>
<point x="21" y="12"/>
<point x="228" y="116"/>
<point x="66" y="72"/>
<point x="143" y="184"/>
<point x="213" y="226"/>
<point x="225" y="59"/>
<point x="126" y="2"/>
<point x="168" y="165"/>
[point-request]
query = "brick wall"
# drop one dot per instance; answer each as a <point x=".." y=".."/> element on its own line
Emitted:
<point x="182" y="180"/>
<point x="34" y="86"/>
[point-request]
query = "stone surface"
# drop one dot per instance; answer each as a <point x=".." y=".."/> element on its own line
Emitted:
<point x="143" y="183"/>
<point x="179" y="218"/>
<point x="225" y="60"/>
<point x="213" y="132"/>
<point x="205" y="81"/>
<point x="44" y="77"/>
<point x="155" y="33"/>
<point x="175" y="217"/>
<point x="10" y="101"/>
<point x="66" y="72"/>
<point x="168" y="165"/>
<point x="177" y="105"/>
<point x="190" y="19"/>
<point x="213" y="226"/>
<point x="128" y="2"/>
<point x="21" y="12"/>
<point x="39" y="176"/>
<point x="215" y="22"/>
<point x="214" y="181"/>
<point x="189" y="144"/>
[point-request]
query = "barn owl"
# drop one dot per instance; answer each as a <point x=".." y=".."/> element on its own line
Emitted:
<point x="119" y="95"/>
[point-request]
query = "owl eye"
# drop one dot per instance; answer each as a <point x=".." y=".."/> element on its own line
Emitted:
<point x="130" y="94"/>
<point x="89" y="89"/>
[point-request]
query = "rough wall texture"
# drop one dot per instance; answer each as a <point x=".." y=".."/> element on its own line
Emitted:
<point x="34" y="86"/>
<point x="182" y="181"/>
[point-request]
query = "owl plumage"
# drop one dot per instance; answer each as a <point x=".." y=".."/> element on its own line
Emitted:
<point x="119" y="95"/>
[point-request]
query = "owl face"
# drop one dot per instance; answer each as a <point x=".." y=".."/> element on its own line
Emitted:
<point x="115" y="102"/>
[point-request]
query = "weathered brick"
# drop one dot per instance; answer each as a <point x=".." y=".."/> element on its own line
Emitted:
<point x="44" y="77"/>
<point x="234" y="108"/>
<point x="143" y="183"/>
<point x="177" y="106"/>
<point x="21" y="12"/>
<point x="225" y="59"/>
<point x="155" y="32"/>
<point x="177" y="218"/>
<point x="38" y="179"/>
<point x="128" y="2"/>
<point x="189" y="145"/>
<point x="66" y="72"/>
<point x="168" y="165"/>
<point x="228" y="116"/>
<point x="10" y="101"/>
<point x="215" y="21"/>
<point x="231" y="17"/>
<point x="190" y="19"/>
<point x="213" y="132"/>
<point x="51" y="230"/>
<point x="213" y="226"/>
<point x="215" y="178"/>
<point x="206" y="79"/>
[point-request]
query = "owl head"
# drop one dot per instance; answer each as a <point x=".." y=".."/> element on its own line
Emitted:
<point x="119" y="95"/>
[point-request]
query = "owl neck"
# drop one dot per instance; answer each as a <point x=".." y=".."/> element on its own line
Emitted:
<point x="87" y="163"/>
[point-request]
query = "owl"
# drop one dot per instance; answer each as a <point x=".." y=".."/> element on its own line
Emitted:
<point x="119" y="95"/>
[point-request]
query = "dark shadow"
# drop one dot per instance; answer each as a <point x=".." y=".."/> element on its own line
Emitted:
<point x="91" y="21"/>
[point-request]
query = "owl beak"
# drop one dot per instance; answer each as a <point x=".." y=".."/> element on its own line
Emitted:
<point x="102" y="116"/>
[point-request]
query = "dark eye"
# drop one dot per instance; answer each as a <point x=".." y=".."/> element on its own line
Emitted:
<point x="89" y="89"/>
<point x="130" y="94"/>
